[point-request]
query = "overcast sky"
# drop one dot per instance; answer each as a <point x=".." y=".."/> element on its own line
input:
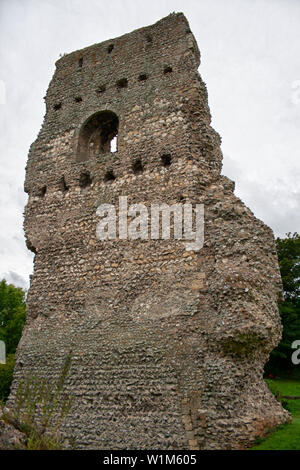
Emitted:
<point x="250" y="62"/>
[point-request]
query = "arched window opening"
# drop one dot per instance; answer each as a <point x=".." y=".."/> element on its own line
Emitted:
<point x="98" y="135"/>
<point x="114" y="144"/>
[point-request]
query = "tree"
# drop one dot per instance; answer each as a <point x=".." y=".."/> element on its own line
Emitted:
<point x="6" y="376"/>
<point x="12" y="320"/>
<point x="288" y="250"/>
<point x="12" y="315"/>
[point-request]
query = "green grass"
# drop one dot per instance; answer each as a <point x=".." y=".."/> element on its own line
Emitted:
<point x="287" y="436"/>
<point x="284" y="386"/>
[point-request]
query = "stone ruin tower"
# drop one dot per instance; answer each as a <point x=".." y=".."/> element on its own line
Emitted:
<point x="167" y="346"/>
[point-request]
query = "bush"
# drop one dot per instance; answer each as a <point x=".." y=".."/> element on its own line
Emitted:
<point x="288" y="250"/>
<point x="12" y="315"/>
<point x="6" y="375"/>
<point x="12" y="320"/>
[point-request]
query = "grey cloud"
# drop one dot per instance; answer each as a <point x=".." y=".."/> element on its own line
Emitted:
<point x="15" y="279"/>
<point x="275" y="201"/>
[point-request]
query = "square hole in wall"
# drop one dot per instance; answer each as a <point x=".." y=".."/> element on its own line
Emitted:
<point x="168" y="69"/>
<point x="122" y="83"/>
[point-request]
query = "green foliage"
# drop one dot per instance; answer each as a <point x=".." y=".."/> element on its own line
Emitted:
<point x="294" y="407"/>
<point x="285" y="437"/>
<point x="6" y="376"/>
<point x="12" y="320"/>
<point x="288" y="250"/>
<point x="12" y="315"/>
<point x="277" y="392"/>
<point x="284" y="386"/>
<point x="39" y="409"/>
<point x="273" y="388"/>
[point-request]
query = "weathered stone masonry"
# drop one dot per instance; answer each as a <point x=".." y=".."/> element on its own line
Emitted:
<point x="168" y="346"/>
